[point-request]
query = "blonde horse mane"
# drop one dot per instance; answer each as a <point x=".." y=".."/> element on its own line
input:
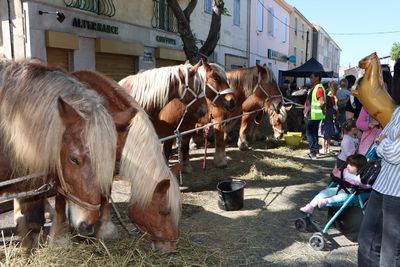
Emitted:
<point x="143" y="164"/>
<point x="151" y="88"/>
<point x="248" y="78"/>
<point x="31" y="128"/>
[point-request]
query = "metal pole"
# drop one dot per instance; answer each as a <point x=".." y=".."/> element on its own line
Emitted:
<point x="307" y="40"/>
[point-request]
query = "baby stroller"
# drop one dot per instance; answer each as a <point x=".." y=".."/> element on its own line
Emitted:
<point x="357" y="197"/>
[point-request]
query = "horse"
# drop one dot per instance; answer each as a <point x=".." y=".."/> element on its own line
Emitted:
<point x="372" y="91"/>
<point x="256" y="88"/>
<point x="155" y="204"/>
<point x="165" y="102"/>
<point x="51" y="125"/>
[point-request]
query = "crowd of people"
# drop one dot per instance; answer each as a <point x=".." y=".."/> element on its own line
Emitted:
<point x="331" y="112"/>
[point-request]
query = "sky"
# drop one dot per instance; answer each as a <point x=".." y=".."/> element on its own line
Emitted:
<point x="355" y="16"/>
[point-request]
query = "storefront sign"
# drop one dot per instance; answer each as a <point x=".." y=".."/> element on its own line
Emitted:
<point x="272" y="54"/>
<point x="94" y="26"/>
<point x="165" y="40"/>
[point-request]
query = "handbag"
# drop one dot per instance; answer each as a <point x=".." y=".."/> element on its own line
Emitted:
<point x="370" y="172"/>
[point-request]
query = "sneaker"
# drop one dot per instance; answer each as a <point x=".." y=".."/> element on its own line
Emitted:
<point x="307" y="209"/>
<point x="322" y="151"/>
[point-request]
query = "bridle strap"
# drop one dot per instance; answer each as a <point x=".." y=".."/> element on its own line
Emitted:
<point x="217" y="93"/>
<point x="77" y="201"/>
<point x="63" y="190"/>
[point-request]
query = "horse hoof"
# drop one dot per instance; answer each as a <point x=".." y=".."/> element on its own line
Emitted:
<point x="220" y="163"/>
<point x="243" y="146"/>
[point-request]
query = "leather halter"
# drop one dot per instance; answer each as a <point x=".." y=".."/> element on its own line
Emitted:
<point x="188" y="89"/>
<point x="63" y="190"/>
<point x="217" y="93"/>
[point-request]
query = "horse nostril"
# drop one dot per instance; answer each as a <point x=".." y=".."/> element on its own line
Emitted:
<point x="85" y="229"/>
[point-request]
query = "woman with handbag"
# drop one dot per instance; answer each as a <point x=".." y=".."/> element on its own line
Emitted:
<point x="379" y="237"/>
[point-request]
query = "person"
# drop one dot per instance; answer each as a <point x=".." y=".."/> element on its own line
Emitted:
<point x="370" y="128"/>
<point x="342" y="95"/>
<point x="327" y="126"/>
<point x="349" y="143"/>
<point x="314" y="113"/>
<point x="379" y="237"/>
<point x="353" y="105"/>
<point x="334" y="194"/>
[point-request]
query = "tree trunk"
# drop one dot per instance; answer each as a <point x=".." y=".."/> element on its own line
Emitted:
<point x="193" y="53"/>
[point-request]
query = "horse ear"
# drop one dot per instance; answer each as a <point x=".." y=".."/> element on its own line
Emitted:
<point x="67" y="113"/>
<point x="206" y="66"/>
<point x="288" y="107"/>
<point x="193" y="69"/>
<point x="162" y="187"/>
<point x="260" y="68"/>
<point x="122" y="119"/>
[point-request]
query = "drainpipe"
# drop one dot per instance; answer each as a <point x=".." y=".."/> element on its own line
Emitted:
<point x="10" y="24"/>
<point x="248" y="32"/>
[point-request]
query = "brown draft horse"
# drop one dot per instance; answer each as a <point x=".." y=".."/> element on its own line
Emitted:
<point x="162" y="99"/>
<point x="154" y="206"/>
<point x="256" y="88"/>
<point x="51" y="124"/>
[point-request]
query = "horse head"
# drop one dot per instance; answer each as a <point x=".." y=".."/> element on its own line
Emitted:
<point x="267" y="88"/>
<point x="277" y="120"/>
<point x="156" y="219"/>
<point x="192" y="95"/>
<point x="216" y="87"/>
<point x="77" y="178"/>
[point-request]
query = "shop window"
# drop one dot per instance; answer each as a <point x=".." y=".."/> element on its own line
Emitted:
<point x="163" y="17"/>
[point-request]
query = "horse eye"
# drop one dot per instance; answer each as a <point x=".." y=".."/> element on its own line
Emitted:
<point x="165" y="211"/>
<point x="74" y="160"/>
<point x="217" y="79"/>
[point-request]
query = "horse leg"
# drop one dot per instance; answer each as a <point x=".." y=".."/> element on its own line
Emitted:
<point x="167" y="149"/>
<point x="220" y="154"/>
<point x="59" y="228"/>
<point x="249" y="105"/>
<point x="187" y="166"/>
<point x="29" y="219"/>
<point x="243" y="143"/>
<point x="106" y="229"/>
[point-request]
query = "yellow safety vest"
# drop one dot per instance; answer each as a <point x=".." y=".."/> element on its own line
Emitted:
<point x="316" y="110"/>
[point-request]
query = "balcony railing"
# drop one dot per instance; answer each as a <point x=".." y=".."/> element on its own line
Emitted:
<point x="163" y="17"/>
<point x="100" y="7"/>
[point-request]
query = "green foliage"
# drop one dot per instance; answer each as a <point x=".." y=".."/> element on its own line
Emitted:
<point x="225" y="12"/>
<point x="395" y="51"/>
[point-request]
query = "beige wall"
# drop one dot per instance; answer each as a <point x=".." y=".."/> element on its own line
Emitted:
<point x="297" y="40"/>
<point x="125" y="10"/>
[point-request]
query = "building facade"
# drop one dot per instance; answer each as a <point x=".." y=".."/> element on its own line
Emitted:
<point x="100" y="35"/>
<point x="300" y="41"/>
<point x="232" y="48"/>
<point x="325" y="50"/>
<point x="269" y="34"/>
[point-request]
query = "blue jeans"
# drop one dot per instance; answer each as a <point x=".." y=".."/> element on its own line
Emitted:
<point x="330" y="193"/>
<point x="312" y="135"/>
<point x="379" y="237"/>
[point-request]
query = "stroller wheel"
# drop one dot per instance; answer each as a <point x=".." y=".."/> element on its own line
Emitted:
<point x="317" y="241"/>
<point x="301" y="225"/>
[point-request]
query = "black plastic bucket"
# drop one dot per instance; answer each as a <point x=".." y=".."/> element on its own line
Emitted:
<point x="230" y="195"/>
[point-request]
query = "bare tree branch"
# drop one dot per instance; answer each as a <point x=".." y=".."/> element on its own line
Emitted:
<point x="186" y="34"/>
<point x="189" y="9"/>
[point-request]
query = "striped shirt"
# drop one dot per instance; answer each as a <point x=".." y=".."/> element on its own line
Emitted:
<point x="388" y="181"/>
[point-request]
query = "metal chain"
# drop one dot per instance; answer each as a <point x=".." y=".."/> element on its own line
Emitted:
<point x="43" y="189"/>
<point x="179" y="144"/>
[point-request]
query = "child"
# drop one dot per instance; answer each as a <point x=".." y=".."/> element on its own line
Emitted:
<point x="331" y="194"/>
<point x="349" y="143"/>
